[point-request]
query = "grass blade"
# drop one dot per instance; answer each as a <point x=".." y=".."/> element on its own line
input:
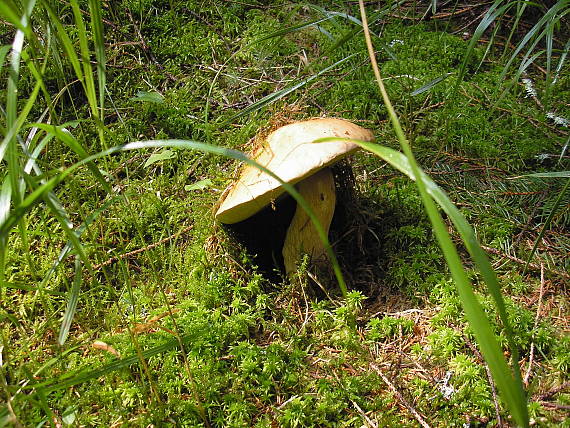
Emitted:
<point x="350" y="34"/>
<point x="5" y="198"/>
<point x="65" y="136"/>
<point x="496" y="10"/>
<point x="509" y="386"/>
<point x="291" y="29"/>
<point x="430" y="84"/>
<point x="555" y="174"/>
<point x="561" y="61"/>
<point x="553" y="210"/>
<point x="66" y="43"/>
<point x="72" y="300"/>
<point x="3" y="52"/>
<point x="76" y="378"/>
<point x="99" y="43"/>
<point x="78" y="232"/>
<point x="12" y="14"/>
<point x="271" y="98"/>
<point x="85" y="53"/>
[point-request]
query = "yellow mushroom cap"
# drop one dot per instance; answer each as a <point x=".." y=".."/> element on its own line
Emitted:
<point x="289" y="153"/>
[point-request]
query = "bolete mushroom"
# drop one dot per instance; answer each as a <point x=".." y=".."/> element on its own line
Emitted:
<point x="289" y="153"/>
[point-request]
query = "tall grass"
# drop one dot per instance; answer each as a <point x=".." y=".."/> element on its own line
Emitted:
<point x="508" y="380"/>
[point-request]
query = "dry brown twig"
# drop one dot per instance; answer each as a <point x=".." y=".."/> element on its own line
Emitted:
<point x="533" y="266"/>
<point x="549" y="394"/>
<point x="491" y="382"/>
<point x="369" y="422"/>
<point x="399" y="396"/>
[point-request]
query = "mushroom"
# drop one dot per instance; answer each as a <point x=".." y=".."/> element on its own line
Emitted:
<point x="289" y="153"/>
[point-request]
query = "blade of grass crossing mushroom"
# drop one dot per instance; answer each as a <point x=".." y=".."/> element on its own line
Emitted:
<point x="39" y="193"/>
<point x="399" y="161"/>
<point x="510" y="387"/>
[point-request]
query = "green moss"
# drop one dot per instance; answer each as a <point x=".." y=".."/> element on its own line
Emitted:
<point x="388" y="328"/>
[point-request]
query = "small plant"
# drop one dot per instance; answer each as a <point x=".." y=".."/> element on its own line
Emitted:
<point x="388" y="328"/>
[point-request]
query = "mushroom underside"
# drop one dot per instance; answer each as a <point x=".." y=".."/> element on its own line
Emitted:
<point x="262" y="235"/>
<point x="281" y="234"/>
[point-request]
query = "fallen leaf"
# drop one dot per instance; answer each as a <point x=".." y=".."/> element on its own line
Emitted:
<point x="97" y="344"/>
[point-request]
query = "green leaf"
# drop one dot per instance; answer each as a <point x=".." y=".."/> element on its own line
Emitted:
<point x="495" y="11"/>
<point x="78" y="232"/>
<point x="11" y="13"/>
<point x="431" y="84"/>
<point x="555" y="174"/>
<point x="5" y="198"/>
<point x="99" y="43"/>
<point x="553" y="211"/>
<point x="3" y="52"/>
<point x="64" y="135"/>
<point x="71" y="303"/>
<point x="89" y="80"/>
<point x="509" y="385"/>
<point x="75" y="378"/>
<point x="287" y="30"/>
<point x="508" y="382"/>
<point x="151" y="97"/>
<point x="66" y="43"/>
<point x="27" y="287"/>
<point x="157" y="157"/>
<point x="199" y="185"/>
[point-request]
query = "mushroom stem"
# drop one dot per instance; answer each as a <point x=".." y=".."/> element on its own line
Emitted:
<point x="318" y="191"/>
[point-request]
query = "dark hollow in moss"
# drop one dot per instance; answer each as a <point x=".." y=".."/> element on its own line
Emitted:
<point x="263" y="234"/>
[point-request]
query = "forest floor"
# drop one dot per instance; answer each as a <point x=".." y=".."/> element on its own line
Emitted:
<point x="177" y="324"/>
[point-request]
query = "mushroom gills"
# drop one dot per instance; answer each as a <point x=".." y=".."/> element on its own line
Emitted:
<point x="302" y="237"/>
